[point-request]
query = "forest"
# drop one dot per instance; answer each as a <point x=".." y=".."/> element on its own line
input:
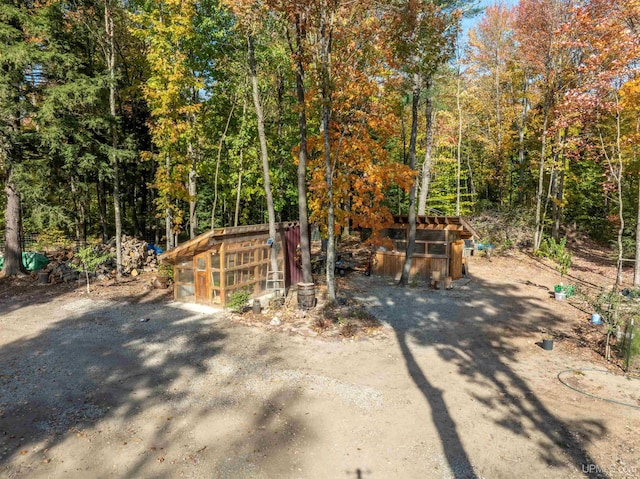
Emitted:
<point x="163" y="119"/>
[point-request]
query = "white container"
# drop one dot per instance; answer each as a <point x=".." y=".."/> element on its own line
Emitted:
<point x="560" y="295"/>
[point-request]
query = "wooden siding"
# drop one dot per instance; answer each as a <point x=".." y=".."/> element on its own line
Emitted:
<point x="455" y="263"/>
<point x="390" y="263"/>
<point x="238" y="262"/>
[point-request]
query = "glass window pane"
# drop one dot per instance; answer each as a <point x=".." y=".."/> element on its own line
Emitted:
<point x="437" y="249"/>
<point x="263" y="271"/>
<point x="230" y="278"/>
<point x="201" y="264"/>
<point x="184" y="290"/>
<point x="215" y="261"/>
<point x="215" y="278"/>
<point x="430" y="235"/>
<point x="185" y="276"/>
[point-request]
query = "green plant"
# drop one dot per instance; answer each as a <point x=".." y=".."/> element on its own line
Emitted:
<point x="507" y="243"/>
<point x="635" y="342"/>
<point x="238" y="300"/>
<point x="557" y="252"/>
<point x="568" y="289"/>
<point x="165" y="270"/>
<point x="90" y="258"/>
<point x="52" y="239"/>
<point x="607" y="305"/>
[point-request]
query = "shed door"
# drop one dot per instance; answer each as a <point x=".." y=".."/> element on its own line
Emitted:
<point x="455" y="259"/>
<point x="201" y="277"/>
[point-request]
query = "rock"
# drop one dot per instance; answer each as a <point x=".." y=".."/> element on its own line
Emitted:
<point x="134" y="272"/>
<point x="160" y="283"/>
<point x="275" y="321"/>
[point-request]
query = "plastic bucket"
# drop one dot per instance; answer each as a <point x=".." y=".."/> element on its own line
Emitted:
<point x="306" y="295"/>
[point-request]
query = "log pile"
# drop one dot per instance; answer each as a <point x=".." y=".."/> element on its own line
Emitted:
<point x="60" y="269"/>
<point x="136" y="258"/>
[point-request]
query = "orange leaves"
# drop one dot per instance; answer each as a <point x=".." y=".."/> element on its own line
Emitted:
<point x="250" y="13"/>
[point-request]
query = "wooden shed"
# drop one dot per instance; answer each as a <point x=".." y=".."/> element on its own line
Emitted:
<point x="211" y="267"/>
<point x="439" y="247"/>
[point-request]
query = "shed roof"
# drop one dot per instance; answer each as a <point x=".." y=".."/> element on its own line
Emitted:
<point x="452" y="223"/>
<point x="206" y="240"/>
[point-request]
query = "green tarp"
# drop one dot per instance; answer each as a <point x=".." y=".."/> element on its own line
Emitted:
<point x="31" y="261"/>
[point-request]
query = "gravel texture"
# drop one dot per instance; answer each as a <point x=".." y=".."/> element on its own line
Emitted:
<point x="128" y="387"/>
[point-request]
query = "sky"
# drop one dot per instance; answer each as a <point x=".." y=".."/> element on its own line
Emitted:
<point x="469" y="23"/>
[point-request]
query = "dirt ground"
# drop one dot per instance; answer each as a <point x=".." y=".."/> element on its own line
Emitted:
<point x="124" y="383"/>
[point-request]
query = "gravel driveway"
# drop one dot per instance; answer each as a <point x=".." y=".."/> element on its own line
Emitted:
<point x="458" y="389"/>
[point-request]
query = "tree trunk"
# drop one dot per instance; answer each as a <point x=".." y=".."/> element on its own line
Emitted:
<point x="521" y="149"/>
<point x="430" y="116"/>
<point x="111" y="66"/>
<point x="411" y="243"/>
<point x="559" y="195"/>
<point x="459" y="145"/>
<point x="472" y="185"/>
<point x="619" y="177"/>
<point x="499" y="132"/>
<point x="537" y="235"/>
<point x="102" y="207"/>
<point x="236" y="216"/>
<point x="74" y="195"/>
<point x="218" y="160"/>
<point x="168" y="217"/>
<point x="241" y="166"/>
<point x="12" y="248"/>
<point x="553" y="193"/>
<point x="636" y="271"/>
<point x="193" y="192"/>
<point x="303" y="210"/>
<point x="326" y="94"/>
<point x="264" y="155"/>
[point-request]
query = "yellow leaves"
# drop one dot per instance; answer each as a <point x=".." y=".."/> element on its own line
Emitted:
<point x="249" y="13"/>
<point x="630" y="95"/>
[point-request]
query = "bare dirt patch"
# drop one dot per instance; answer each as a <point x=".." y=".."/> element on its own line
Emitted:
<point x="126" y="383"/>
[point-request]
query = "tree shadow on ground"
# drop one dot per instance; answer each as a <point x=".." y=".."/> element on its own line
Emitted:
<point x="113" y="364"/>
<point x="472" y="328"/>
<point x="23" y="291"/>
